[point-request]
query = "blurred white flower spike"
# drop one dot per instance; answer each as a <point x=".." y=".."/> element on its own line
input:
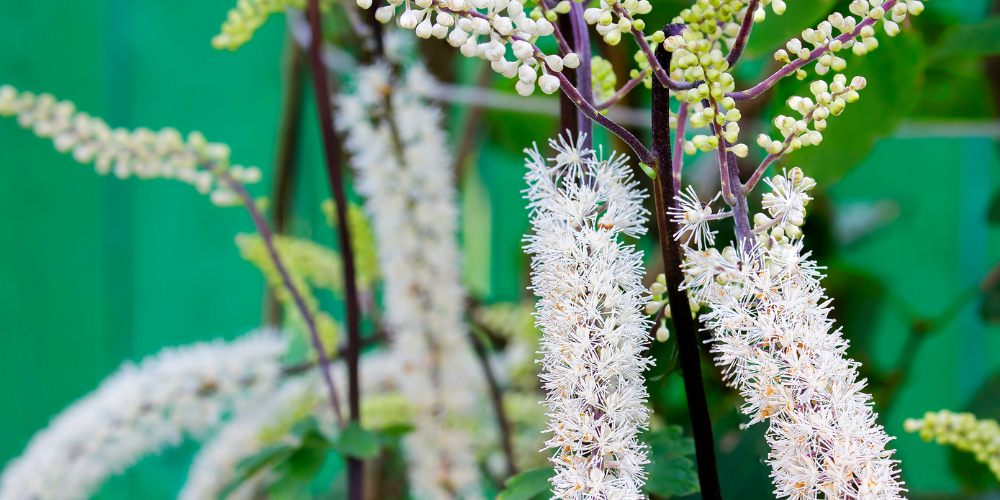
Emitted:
<point x="590" y="312"/>
<point x="403" y="171"/>
<point x="141" y="410"/>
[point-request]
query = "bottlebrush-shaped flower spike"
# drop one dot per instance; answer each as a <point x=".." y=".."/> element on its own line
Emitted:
<point x="590" y="312"/>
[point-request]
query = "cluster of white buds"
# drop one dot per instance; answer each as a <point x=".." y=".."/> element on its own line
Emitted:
<point x="140" y="152"/>
<point x="963" y="431"/>
<point x="141" y="410"/>
<point x="500" y="23"/>
<point x="399" y="158"/>
<point x="590" y="301"/>
<point x="869" y="12"/>
<point x="603" y="18"/>
<point x="715" y="20"/>
<point x="831" y="100"/>
<point x="698" y="57"/>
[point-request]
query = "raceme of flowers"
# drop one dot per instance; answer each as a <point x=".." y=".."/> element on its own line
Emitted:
<point x="590" y="302"/>
<point x="964" y="431"/>
<point x="141" y="410"/>
<point x="406" y="180"/>
<point x="775" y="343"/>
<point x="140" y="152"/>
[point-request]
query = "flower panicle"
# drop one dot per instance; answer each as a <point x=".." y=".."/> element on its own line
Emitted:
<point x="590" y="312"/>
<point x="143" y="409"/>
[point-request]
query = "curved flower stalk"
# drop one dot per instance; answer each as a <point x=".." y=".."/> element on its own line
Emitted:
<point x="398" y="152"/>
<point x="590" y="313"/>
<point x="268" y="424"/>
<point x="141" y="152"/>
<point x="141" y="410"/>
<point x="775" y="342"/>
<point x="964" y="431"/>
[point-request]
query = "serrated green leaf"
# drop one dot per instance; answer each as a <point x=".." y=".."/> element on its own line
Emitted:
<point x="358" y="443"/>
<point x="671" y="473"/>
<point x="979" y="39"/>
<point x="527" y="485"/>
<point x="895" y="76"/>
<point x="299" y="470"/>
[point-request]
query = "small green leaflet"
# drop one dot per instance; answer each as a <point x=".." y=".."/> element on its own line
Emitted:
<point x="357" y="442"/>
<point x="527" y="485"/>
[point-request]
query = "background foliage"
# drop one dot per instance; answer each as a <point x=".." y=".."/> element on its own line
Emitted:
<point x="94" y="270"/>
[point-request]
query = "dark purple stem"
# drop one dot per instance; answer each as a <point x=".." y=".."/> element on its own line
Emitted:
<point x="584" y="84"/>
<point x="743" y="36"/>
<point x="678" y="159"/>
<point x="680" y="309"/>
<point x="333" y="154"/>
<point x="265" y="234"/>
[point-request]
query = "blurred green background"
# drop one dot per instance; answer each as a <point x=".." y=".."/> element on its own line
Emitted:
<point x="94" y="271"/>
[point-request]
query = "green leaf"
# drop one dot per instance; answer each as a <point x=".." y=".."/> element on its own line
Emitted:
<point x="979" y="39"/>
<point x="671" y="472"/>
<point x="527" y="485"/>
<point x="358" y="443"/>
<point x="265" y="459"/>
<point x="775" y="31"/>
<point x="298" y="471"/>
<point x="895" y="74"/>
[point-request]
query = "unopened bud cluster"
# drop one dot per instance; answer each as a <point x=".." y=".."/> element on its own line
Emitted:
<point x="963" y="431"/>
<point x="142" y="152"/>
<point x="786" y="206"/>
<point x="248" y="16"/>
<point x="830" y="100"/>
<point x="855" y="33"/>
<point x="602" y="78"/>
<point x="615" y="17"/>
<point x="485" y="29"/>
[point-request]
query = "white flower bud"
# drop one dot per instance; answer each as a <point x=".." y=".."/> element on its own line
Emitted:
<point x="522" y="49"/>
<point x="571" y="60"/>
<point x="891" y="28"/>
<point x="527" y="25"/>
<point x="554" y="62"/>
<point x="915" y="7"/>
<point x="408" y="20"/>
<point x="503" y="25"/>
<point x="445" y="19"/>
<point x="439" y="31"/>
<point x="515" y="9"/>
<point x="740" y="150"/>
<point x="364" y="4"/>
<point x="815" y="137"/>
<point x="384" y="14"/>
<point x="662" y="334"/>
<point x="465" y="24"/>
<point x="481" y="26"/>
<point x="591" y="15"/>
<point x="494" y="50"/>
<point x="545" y="28"/>
<point x="470" y="48"/>
<point x="860" y="49"/>
<point x="457" y="37"/>
<point x="524" y="89"/>
<point x="548" y="84"/>
<point x="424" y="28"/>
<point x="527" y="74"/>
<point x="858" y="83"/>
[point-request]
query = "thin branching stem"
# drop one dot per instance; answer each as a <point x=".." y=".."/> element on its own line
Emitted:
<point x="658" y="71"/>
<point x="260" y="224"/>
<point x="789" y="69"/>
<point x="740" y="44"/>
